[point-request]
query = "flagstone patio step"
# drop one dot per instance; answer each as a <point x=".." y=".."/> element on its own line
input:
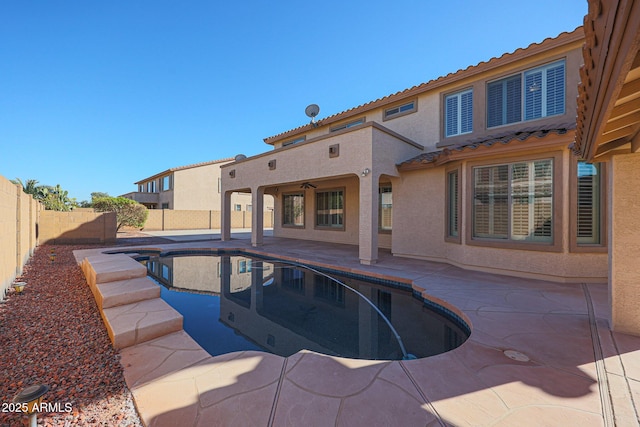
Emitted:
<point x="141" y="321"/>
<point x="110" y="268"/>
<point x="124" y="292"/>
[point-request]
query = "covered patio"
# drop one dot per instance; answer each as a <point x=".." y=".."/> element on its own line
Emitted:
<point x="352" y="162"/>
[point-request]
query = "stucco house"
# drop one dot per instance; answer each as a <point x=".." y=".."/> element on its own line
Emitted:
<point x="190" y="187"/>
<point x="473" y="169"/>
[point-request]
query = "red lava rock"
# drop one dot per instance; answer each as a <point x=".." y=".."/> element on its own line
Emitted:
<point x="53" y="334"/>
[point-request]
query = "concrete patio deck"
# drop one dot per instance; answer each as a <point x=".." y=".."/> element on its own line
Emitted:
<point x="540" y="354"/>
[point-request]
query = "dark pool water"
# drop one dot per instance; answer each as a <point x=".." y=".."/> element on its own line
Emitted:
<point x="235" y="303"/>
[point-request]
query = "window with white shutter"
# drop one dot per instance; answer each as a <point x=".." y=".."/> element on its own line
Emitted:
<point x="459" y="113"/>
<point x="385" y="207"/>
<point x="514" y="201"/>
<point x="589" y="203"/>
<point x="541" y="95"/>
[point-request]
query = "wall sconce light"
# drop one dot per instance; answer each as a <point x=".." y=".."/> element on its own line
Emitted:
<point x="32" y="397"/>
<point x="19" y="286"/>
<point x="365" y="172"/>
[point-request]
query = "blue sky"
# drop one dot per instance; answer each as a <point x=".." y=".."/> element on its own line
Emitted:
<point x="97" y="95"/>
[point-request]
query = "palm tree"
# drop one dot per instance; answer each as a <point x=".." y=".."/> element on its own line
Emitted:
<point x="52" y="198"/>
<point x="30" y="186"/>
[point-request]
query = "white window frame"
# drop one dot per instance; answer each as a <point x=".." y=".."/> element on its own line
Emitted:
<point x="385" y="189"/>
<point x="458" y="113"/>
<point x="539" y="80"/>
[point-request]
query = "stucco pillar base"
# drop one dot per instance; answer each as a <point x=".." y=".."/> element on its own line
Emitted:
<point x="368" y="218"/>
<point x="225" y="232"/>
<point x="624" y="243"/>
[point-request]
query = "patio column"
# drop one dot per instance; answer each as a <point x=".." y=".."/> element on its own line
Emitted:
<point x="257" y="285"/>
<point x="225" y="217"/>
<point x="624" y="242"/>
<point x="257" y="216"/>
<point x="368" y="237"/>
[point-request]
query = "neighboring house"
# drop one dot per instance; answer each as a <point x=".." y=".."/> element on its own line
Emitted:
<point x="191" y="187"/>
<point x="471" y="169"/>
<point x="609" y="131"/>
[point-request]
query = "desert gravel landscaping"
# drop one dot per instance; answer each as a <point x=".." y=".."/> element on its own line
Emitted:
<point x="52" y="334"/>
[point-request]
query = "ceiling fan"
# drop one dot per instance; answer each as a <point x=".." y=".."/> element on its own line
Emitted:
<point x="307" y="185"/>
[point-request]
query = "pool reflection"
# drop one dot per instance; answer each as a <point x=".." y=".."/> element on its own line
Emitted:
<point x="235" y="303"/>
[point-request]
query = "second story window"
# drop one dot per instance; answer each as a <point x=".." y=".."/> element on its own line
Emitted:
<point x="294" y="141"/>
<point x="400" y="110"/>
<point x="458" y="113"/>
<point x="532" y="94"/>
<point x="347" y="125"/>
<point x="166" y="183"/>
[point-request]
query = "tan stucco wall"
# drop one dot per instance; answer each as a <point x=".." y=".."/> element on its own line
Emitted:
<point x="18" y="222"/>
<point x="419" y="232"/>
<point x="196" y="188"/>
<point x="424" y="126"/>
<point x="168" y="219"/>
<point x="193" y="188"/>
<point x="351" y="209"/>
<point x="367" y="146"/>
<point x="77" y="227"/>
<point x="624" y="242"/>
<point x="421" y="126"/>
<point x="311" y="161"/>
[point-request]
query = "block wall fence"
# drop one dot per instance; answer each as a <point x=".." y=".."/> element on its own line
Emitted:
<point x="19" y="214"/>
<point x="169" y="219"/>
<point x="24" y="224"/>
<point x="80" y="226"/>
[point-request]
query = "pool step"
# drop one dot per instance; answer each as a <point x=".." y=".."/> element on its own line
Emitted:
<point x="142" y="321"/>
<point x="110" y="268"/>
<point x="122" y="292"/>
<point x="128" y="301"/>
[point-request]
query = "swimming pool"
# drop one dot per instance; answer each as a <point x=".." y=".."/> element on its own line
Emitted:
<point x="234" y="302"/>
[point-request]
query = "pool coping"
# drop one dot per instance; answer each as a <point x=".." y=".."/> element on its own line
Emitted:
<point x="458" y="387"/>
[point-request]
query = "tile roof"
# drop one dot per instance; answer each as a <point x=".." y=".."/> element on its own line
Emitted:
<point x="525" y="135"/>
<point x="484" y="66"/>
<point x="179" y="168"/>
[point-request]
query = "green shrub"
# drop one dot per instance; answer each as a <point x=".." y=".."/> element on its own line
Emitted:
<point x="129" y="213"/>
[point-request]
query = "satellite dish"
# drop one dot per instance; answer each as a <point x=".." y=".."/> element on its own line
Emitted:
<point x="312" y="111"/>
<point x="240" y="157"/>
